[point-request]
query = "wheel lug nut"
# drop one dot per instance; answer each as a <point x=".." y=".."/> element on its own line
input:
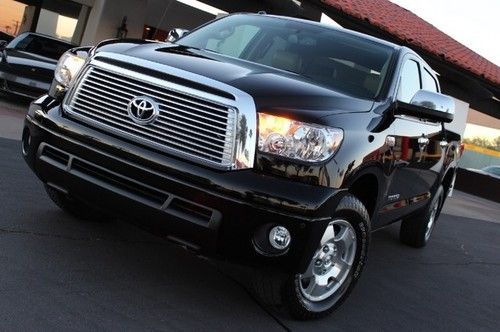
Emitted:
<point x="326" y="249"/>
<point x="318" y="262"/>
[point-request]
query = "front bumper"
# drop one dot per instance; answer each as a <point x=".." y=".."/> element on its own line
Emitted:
<point x="214" y="212"/>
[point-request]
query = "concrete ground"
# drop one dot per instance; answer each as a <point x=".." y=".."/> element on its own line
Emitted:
<point x="57" y="273"/>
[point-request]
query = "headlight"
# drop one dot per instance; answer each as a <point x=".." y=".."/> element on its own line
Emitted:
<point x="297" y="140"/>
<point x="67" y="68"/>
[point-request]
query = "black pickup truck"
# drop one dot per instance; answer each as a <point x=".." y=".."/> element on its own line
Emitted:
<point x="273" y="142"/>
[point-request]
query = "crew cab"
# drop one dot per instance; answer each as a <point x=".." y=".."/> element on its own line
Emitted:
<point x="273" y="142"/>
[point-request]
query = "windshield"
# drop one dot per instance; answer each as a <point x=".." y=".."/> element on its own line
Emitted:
<point x="329" y="57"/>
<point x="40" y="45"/>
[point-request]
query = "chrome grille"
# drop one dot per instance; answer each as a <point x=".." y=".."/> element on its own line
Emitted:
<point x="187" y="125"/>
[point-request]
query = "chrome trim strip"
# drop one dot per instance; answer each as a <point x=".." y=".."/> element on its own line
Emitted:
<point x="242" y="127"/>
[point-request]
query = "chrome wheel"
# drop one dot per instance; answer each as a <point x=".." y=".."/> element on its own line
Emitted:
<point x="432" y="221"/>
<point x="331" y="263"/>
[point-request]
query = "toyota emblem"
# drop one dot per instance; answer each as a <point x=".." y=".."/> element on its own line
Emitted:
<point x="143" y="110"/>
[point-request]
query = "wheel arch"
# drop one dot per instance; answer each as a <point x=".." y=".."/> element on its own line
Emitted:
<point x="366" y="186"/>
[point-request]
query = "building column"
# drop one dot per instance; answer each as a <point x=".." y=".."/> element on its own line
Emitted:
<point x="91" y="28"/>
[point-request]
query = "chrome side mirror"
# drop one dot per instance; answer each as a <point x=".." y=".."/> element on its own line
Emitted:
<point x="428" y="105"/>
<point x="434" y="101"/>
<point x="175" y="34"/>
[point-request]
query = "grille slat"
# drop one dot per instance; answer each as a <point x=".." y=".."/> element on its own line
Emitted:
<point x="165" y="124"/>
<point x="108" y="87"/>
<point x="166" y="115"/>
<point x="106" y="95"/>
<point x="150" y="93"/>
<point x="136" y="127"/>
<point x="153" y="89"/>
<point x="157" y="139"/>
<point x="190" y="113"/>
<point x="186" y="125"/>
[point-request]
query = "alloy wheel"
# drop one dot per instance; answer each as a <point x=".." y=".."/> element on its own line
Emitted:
<point x="331" y="262"/>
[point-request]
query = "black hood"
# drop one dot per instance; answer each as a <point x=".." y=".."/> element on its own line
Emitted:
<point x="270" y="88"/>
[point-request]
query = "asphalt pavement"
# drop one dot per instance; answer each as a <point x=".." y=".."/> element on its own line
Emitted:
<point x="57" y="273"/>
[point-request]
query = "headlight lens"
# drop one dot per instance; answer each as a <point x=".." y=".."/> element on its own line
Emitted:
<point x="297" y="140"/>
<point x="68" y="67"/>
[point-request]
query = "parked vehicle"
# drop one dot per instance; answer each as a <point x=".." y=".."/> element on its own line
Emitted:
<point x="28" y="62"/>
<point x="273" y="142"/>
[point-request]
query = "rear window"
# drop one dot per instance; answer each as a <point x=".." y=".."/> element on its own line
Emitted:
<point x="332" y="58"/>
<point x="40" y="45"/>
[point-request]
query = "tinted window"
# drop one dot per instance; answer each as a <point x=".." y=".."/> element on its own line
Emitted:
<point x="40" y="45"/>
<point x="328" y="57"/>
<point x="428" y="82"/>
<point x="410" y="81"/>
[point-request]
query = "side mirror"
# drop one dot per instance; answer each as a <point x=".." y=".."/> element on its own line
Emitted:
<point x="428" y="105"/>
<point x="175" y="34"/>
<point x="3" y="44"/>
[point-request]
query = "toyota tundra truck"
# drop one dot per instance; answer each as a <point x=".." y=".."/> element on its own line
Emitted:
<point x="276" y="143"/>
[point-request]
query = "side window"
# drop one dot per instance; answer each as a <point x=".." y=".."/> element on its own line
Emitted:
<point x="410" y="81"/>
<point x="428" y="82"/>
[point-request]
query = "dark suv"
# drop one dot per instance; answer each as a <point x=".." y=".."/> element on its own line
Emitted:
<point x="274" y="142"/>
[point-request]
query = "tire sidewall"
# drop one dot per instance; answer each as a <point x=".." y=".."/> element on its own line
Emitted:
<point x="438" y="199"/>
<point x="360" y="225"/>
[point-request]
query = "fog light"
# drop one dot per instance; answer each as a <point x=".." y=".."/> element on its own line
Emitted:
<point x="279" y="237"/>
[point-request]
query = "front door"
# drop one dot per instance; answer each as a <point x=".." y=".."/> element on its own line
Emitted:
<point x="418" y="155"/>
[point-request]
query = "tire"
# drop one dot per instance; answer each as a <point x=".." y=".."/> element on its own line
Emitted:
<point x="416" y="230"/>
<point x="76" y="208"/>
<point x="350" y="220"/>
